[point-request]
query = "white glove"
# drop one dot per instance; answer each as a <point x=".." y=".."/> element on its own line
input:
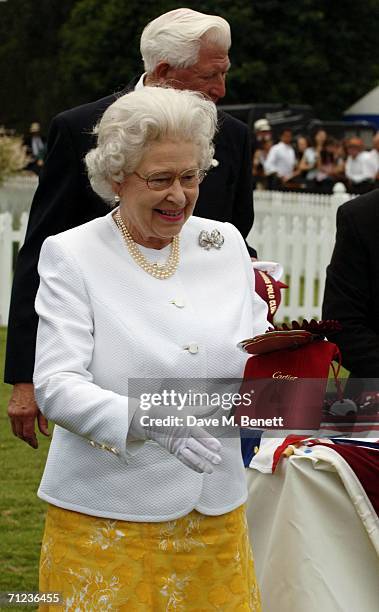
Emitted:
<point x="193" y="446"/>
<point x="270" y="267"/>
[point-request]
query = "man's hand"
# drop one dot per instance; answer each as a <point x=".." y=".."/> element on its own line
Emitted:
<point x="22" y="411"/>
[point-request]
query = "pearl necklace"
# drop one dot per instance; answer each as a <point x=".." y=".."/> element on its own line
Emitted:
<point x="156" y="269"/>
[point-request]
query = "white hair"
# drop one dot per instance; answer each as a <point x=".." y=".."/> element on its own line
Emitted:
<point x="138" y="118"/>
<point x="175" y="37"/>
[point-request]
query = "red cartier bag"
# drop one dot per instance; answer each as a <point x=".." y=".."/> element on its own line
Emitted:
<point x="289" y="382"/>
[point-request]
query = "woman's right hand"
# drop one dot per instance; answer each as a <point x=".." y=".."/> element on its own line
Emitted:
<point x="193" y="446"/>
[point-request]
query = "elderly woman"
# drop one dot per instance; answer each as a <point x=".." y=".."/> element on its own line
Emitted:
<point x="143" y="517"/>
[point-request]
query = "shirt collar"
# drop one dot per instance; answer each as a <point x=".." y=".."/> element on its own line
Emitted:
<point x="140" y="84"/>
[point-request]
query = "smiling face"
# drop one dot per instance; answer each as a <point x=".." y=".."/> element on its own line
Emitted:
<point x="207" y="75"/>
<point x="153" y="218"/>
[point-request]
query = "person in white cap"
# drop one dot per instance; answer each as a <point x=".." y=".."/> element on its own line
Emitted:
<point x="35" y="147"/>
<point x="262" y="133"/>
<point x="261" y="144"/>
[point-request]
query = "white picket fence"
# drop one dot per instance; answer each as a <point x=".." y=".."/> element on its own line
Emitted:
<point x="295" y="229"/>
<point x="17" y="193"/>
<point x="10" y="239"/>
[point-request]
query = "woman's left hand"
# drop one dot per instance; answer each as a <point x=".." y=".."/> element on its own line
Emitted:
<point x="193" y="446"/>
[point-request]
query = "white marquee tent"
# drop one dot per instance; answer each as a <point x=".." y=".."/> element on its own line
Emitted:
<point x="366" y="108"/>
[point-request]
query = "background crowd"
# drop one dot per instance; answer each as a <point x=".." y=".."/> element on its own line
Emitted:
<point x="294" y="162"/>
<point x="314" y="164"/>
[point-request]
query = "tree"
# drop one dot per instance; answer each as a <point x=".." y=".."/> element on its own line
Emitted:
<point x="317" y="52"/>
<point x="100" y="51"/>
<point x="29" y="48"/>
<point x="56" y="54"/>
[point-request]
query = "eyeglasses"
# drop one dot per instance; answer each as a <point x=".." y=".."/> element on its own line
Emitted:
<point x="159" y="181"/>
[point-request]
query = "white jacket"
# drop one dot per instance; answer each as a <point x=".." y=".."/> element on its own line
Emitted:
<point x="103" y="320"/>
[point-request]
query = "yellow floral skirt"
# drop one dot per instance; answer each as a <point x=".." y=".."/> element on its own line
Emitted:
<point x="195" y="563"/>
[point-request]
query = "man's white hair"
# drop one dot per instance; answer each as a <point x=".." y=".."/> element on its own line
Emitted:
<point x="175" y="37"/>
<point x="148" y="115"/>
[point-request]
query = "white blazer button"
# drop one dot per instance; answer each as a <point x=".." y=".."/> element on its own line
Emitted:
<point x="178" y="302"/>
<point x="192" y="348"/>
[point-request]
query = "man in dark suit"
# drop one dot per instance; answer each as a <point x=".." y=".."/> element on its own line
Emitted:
<point x="64" y="199"/>
<point x="352" y="290"/>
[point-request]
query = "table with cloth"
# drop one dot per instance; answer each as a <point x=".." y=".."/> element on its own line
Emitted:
<point x="314" y="528"/>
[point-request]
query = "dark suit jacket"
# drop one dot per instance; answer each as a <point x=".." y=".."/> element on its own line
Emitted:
<point x="352" y="285"/>
<point x="64" y="199"/>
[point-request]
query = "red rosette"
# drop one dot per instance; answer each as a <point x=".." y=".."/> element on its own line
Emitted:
<point x="288" y="337"/>
<point x="317" y="328"/>
<point x="276" y="341"/>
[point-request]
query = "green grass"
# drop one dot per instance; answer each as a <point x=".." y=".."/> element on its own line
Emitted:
<point x="21" y="512"/>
